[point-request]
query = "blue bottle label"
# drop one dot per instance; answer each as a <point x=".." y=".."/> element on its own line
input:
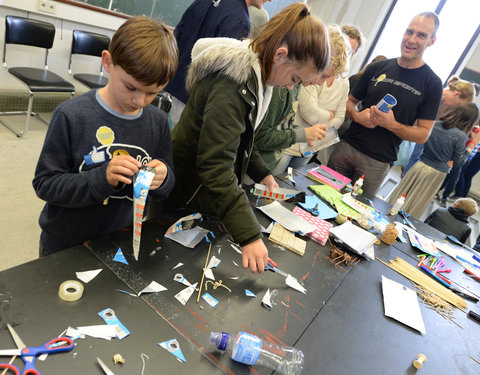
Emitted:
<point x="224" y="341"/>
<point x="247" y="349"/>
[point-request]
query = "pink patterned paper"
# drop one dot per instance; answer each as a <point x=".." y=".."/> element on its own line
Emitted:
<point x="320" y="234"/>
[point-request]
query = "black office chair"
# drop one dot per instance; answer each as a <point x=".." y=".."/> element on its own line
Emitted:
<point x="29" y="32"/>
<point x="92" y="44"/>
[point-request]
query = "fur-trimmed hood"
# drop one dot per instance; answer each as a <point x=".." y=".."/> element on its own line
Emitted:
<point x="231" y="57"/>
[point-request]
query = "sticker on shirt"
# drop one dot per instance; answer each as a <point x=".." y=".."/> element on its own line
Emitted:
<point x="105" y="135"/>
<point x="95" y="156"/>
<point x="380" y="78"/>
<point x="120" y="151"/>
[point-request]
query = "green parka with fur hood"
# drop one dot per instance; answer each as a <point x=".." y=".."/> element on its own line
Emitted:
<point x="213" y="140"/>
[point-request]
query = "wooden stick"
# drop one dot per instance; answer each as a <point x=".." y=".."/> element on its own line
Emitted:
<point x="203" y="274"/>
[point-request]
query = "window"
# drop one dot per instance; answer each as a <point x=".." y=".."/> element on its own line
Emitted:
<point x="458" y="24"/>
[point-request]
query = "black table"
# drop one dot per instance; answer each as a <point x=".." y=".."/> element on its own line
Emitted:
<point x="29" y="302"/>
<point x="339" y="324"/>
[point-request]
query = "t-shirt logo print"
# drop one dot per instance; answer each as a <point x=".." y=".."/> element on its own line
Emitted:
<point x="380" y="78"/>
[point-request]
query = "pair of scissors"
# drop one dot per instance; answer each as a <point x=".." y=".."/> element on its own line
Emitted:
<point x="272" y="266"/>
<point x="28" y="354"/>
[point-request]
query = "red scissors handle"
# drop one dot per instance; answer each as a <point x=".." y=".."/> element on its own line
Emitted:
<point x="10" y="367"/>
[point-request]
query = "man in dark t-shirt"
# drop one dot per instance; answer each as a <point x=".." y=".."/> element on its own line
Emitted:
<point x="370" y="145"/>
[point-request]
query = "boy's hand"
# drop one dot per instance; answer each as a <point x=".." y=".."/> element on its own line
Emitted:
<point x="161" y="171"/>
<point x="255" y="256"/>
<point x="121" y="168"/>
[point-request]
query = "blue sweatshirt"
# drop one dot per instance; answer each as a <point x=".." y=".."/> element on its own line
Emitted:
<point x="83" y="135"/>
<point x="444" y="145"/>
<point x="206" y="19"/>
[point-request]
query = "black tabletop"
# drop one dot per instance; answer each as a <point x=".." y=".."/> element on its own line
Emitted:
<point x="29" y="302"/>
<point x="339" y="323"/>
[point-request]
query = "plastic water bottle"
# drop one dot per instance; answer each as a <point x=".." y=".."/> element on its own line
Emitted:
<point x="252" y="350"/>
<point x="358" y="185"/>
<point x="397" y="206"/>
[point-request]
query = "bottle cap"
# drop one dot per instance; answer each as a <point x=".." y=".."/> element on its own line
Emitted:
<point x="220" y="339"/>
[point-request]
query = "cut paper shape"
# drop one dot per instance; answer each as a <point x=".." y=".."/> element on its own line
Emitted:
<point x="140" y="192"/>
<point x="290" y="175"/>
<point x="249" y="293"/>
<point x="125" y="292"/>
<point x="184" y="295"/>
<point x="102" y="331"/>
<point x="214" y="262"/>
<point x="358" y="206"/>
<point x="185" y="223"/>
<point x="355" y="238"/>
<point x="286" y="218"/>
<point x="283" y="237"/>
<point x="293" y="283"/>
<point x="234" y="247"/>
<point x="235" y="263"/>
<point x="210" y="300"/>
<point x="153" y="287"/>
<point x="108" y="315"/>
<point x="209" y="274"/>
<point x="322" y="227"/>
<point x="279" y="194"/>
<point x="87" y="276"/>
<point x="178" y="265"/>
<point x="401" y="303"/>
<point x="119" y="257"/>
<point x="182" y="280"/>
<point x="173" y="347"/>
<point x="188" y="238"/>
<point x="324" y="211"/>
<point x="266" y="300"/>
<point x="269" y="229"/>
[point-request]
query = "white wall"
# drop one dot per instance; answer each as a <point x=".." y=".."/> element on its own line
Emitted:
<point x="66" y="19"/>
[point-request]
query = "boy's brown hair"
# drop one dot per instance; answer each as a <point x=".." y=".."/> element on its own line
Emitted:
<point x="468" y="205"/>
<point x="145" y="49"/>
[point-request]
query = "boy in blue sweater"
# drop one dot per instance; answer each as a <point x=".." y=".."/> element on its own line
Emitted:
<point x="97" y="141"/>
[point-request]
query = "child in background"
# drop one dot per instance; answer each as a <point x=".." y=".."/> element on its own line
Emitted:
<point x="453" y="220"/>
<point x="96" y="142"/>
<point x="446" y="142"/>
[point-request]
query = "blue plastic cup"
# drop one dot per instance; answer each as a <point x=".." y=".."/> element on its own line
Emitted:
<point x="387" y="103"/>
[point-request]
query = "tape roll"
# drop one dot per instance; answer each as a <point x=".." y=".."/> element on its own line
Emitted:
<point x="70" y="290"/>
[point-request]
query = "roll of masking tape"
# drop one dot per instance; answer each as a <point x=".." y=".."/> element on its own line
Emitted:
<point x="70" y="290"/>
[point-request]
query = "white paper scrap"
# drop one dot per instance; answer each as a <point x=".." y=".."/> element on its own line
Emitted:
<point x="293" y="283"/>
<point x="236" y="248"/>
<point x="87" y="276"/>
<point x="401" y="303"/>
<point x="178" y="265"/>
<point x="101" y="331"/>
<point x="153" y="287"/>
<point x="209" y="274"/>
<point x="188" y="238"/>
<point x="266" y="300"/>
<point x="269" y="229"/>
<point x="287" y="218"/>
<point x="214" y="262"/>
<point x="184" y="295"/>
